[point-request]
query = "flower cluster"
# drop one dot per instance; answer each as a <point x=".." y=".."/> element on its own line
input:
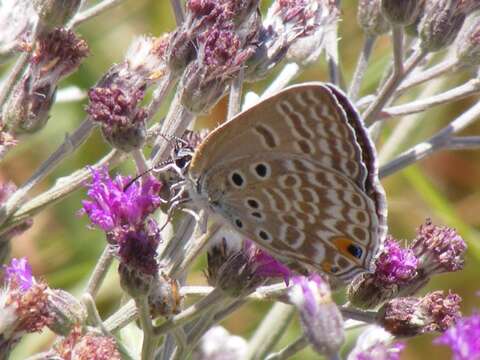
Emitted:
<point x="403" y="271"/>
<point x="122" y="208"/>
<point x="463" y="338"/>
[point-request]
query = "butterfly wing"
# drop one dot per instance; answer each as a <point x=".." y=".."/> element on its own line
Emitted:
<point x="303" y="132"/>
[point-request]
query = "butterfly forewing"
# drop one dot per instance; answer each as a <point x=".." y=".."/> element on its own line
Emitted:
<point x="294" y="174"/>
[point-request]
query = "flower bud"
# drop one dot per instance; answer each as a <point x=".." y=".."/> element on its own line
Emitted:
<point x="134" y="282"/>
<point x="164" y="298"/>
<point x="239" y="269"/>
<point x="57" y="54"/>
<point x="66" y="311"/>
<point x="374" y="343"/>
<point x="411" y="316"/>
<point x="401" y="12"/>
<point x="468" y="42"/>
<point x="16" y="22"/>
<point x="371" y="19"/>
<point x="320" y="317"/>
<point x="53" y="13"/>
<point x="218" y="343"/>
<point x="442" y="22"/>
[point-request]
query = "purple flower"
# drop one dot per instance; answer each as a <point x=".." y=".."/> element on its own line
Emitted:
<point x="264" y="264"/>
<point x="19" y="274"/>
<point x="395" y="264"/>
<point x="118" y="203"/>
<point x="376" y="344"/>
<point x="320" y="317"/>
<point x="438" y="248"/>
<point x="463" y="338"/>
<point x="239" y="267"/>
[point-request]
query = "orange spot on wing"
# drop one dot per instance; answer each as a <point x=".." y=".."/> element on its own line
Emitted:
<point x="342" y="243"/>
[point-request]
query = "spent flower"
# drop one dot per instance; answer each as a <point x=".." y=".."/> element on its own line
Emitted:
<point x="411" y="316"/>
<point x="468" y="42"/>
<point x="403" y="12"/>
<point x="438" y="249"/>
<point x="57" y="54"/>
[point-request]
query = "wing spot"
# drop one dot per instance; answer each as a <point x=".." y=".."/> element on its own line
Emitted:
<point x="290" y="181"/>
<point x="261" y="170"/>
<point x="239" y="223"/>
<point x="264" y="235"/>
<point x="360" y="234"/>
<point x="269" y="138"/>
<point x="257" y="215"/>
<point x="305" y="146"/>
<point x="253" y="203"/>
<point x="237" y="179"/>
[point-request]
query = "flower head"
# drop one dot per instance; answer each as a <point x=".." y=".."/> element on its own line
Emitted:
<point x="19" y="274"/>
<point x="321" y="319"/>
<point x="468" y="42"/>
<point x="118" y="203"/>
<point x="401" y="12"/>
<point x="80" y="344"/>
<point x="218" y="344"/>
<point x="463" y="338"/>
<point x="24" y="304"/>
<point x="58" y="53"/>
<point x="395" y="264"/>
<point x="370" y="17"/>
<point x="439" y="249"/>
<point x="240" y="268"/>
<point x="412" y="316"/>
<point x="375" y="343"/>
<point x="395" y="267"/>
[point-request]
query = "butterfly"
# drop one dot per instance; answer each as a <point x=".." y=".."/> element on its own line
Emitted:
<point x="297" y="174"/>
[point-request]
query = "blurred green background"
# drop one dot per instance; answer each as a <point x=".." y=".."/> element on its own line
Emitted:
<point x="61" y="249"/>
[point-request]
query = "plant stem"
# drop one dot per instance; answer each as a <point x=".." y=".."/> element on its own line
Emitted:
<point x="99" y="272"/>
<point x="359" y="315"/>
<point x="436" y="142"/>
<point x="69" y="145"/>
<point x="175" y="124"/>
<point x="361" y="68"/>
<point x="235" y="98"/>
<point x="149" y="338"/>
<point x="269" y="332"/>
<point x="92" y="12"/>
<point x="390" y="86"/>
<point x="287" y="74"/>
<point x="122" y="317"/>
<point x="290" y="350"/>
<point x="190" y="313"/>
<point x="469" y="88"/>
<point x="178" y="11"/>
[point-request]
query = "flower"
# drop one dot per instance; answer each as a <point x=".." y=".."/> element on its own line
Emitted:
<point x="395" y="264"/>
<point x="239" y="268"/>
<point x="122" y="209"/>
<point x="83" y="344"/>
<point x="370" y="17"/>
<point x="119" y="203"/>
<point x="442" y="22"/>
<point x="218" y="344"/>
<point x="468" y="42"/>
<point x="23" y="302"/>
<point x="375" y="343"/>
<point x="438" y="249"/>
<point x="114" y="101"/>
<point x="401" y="12"/>
<point x="395" y="268"/>
<point x="57" y="54"/>
<point x="463" y="338"/>
<point x="19" y="274"/>
<point x="411" y="316"/>
<point x="320" y="317"/>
